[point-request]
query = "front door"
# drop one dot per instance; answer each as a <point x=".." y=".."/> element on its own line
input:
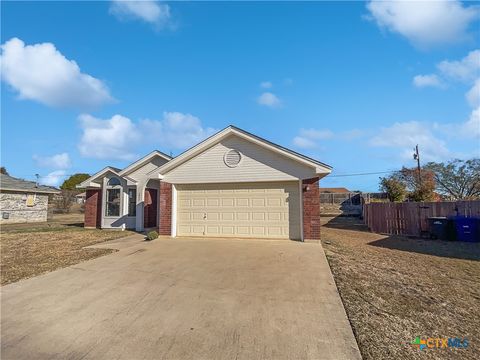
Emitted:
<point x="150" y="208"/>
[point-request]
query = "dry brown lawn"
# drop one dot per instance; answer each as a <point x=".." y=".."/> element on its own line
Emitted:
<point x="31" y="249"/>
<point x="396" y="288"/>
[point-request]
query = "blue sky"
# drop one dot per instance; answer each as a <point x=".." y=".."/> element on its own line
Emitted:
<point x="352" y="84"/>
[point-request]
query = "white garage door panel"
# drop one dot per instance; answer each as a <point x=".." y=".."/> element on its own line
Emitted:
<point x="242" y="210"/>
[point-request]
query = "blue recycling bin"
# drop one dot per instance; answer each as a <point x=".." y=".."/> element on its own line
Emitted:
<point x="467" y="228"/>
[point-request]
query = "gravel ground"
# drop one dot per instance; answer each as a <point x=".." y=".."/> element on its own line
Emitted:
<point x="396" y="288"/>
<point x="31" y="249"/>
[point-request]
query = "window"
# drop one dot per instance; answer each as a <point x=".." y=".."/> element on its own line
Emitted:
<point x="113" y="202"/>
<point x="113" y="196"/>
<point x="30" y="201"/>
<point x="113" y="182"/>
<point x="132" y="203"/>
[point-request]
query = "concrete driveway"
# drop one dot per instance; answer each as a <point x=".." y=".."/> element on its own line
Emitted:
<point x="182" y="299"/>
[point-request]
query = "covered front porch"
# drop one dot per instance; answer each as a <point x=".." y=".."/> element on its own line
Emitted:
<point x="123" y="204"/>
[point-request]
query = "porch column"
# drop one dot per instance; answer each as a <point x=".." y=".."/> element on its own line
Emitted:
<point x="165" y="221"/>
<point x="311" y="209"/>
<point x="140" y="205"/>
<point x="93" y="208"/>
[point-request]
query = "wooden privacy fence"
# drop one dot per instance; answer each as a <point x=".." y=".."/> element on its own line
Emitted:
<point x="410" y="218"/>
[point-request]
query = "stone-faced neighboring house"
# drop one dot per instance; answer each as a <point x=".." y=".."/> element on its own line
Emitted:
<point x="233" y="184"/>
<point x="23" y="201"/>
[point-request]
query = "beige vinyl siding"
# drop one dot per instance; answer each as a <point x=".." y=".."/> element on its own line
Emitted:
<point x="257" y="164"/>
<point x="258" y="210"/>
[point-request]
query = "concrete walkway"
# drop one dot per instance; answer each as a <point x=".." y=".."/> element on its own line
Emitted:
<point x="182" y="299"/>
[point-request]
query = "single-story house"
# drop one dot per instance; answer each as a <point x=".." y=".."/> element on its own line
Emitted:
<point x="80" y="198"/>
<point x="23" y="201"/>
<point x="233" y="184"/>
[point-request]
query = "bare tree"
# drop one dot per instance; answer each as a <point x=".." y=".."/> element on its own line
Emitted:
<point x="64" y="201"/>
<point x="459" y="179"/>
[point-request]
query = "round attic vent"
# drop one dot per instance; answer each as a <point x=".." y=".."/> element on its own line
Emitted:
<point x="232" y="158"/>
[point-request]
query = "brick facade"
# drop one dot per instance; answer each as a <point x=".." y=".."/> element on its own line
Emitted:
<point x="93" y="208"/>
<point x="165" y="221"/>
<point x="311" y="209"/>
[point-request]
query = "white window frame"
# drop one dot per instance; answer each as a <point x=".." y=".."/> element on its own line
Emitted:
<point x="120" y="205"/>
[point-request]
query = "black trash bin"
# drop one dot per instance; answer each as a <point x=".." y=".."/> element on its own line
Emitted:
<point x="441" y="228"/>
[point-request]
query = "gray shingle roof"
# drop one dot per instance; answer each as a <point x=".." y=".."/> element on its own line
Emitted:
<point x="10" y="183"/>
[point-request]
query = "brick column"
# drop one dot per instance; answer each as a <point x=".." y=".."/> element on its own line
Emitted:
<point x="311" y="209"/>
<point x="165" y="221"/>
<point x="93" y="208"/>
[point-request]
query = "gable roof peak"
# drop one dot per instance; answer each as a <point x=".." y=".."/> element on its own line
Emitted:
<point x="217" y="137"/>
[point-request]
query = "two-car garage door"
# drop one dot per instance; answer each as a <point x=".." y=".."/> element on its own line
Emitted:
<point x="261" y="210"/>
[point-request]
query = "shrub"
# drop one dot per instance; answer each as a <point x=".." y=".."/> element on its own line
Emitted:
<point x="152" y="235"/>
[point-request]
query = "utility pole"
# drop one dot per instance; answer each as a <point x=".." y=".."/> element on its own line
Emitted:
<point x="416" y="156"/>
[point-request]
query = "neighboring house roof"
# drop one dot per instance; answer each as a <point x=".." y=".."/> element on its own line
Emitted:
<point x="321" y="168"/>
<point x="338" y="190"/>
<point x="13" y="184"/>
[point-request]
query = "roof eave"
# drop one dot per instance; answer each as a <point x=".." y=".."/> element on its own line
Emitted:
<point x="320" y="168"/>
<point x="32" y="190"/>
<point x="89" y="182"/>
<point x="132" y="167"/>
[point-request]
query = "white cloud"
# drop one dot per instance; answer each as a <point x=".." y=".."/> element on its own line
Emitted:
<point x="269" y="99"/>
<point x="304" y="143"/>
<point x="352" y="134"/>
<point x="473" y="95"/>
<point x="150" y="11"/>
<point x="431" y="80"/>
<point x="266" y="84"/>
<point x="425" y="23"/>
<point x="118" y="137"/>
<point x="315" y="134"/>
<point x="54" y="178"/>
<point x="112" y="138"/>
<point x="58" y="161"/>
<point x="404" y="136"/>
<point x="176" y="130"/>
<point x="471" y="128"/>
<point x="465" y="70"/>
<point x="307" y="138"/>
<point x="40" y="72"/>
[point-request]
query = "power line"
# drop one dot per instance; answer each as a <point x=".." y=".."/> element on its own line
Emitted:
<point x="364" y="174"/>
<point x="334" y="175"/>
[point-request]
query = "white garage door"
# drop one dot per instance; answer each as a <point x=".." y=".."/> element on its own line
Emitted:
<point x="262" y="210"/>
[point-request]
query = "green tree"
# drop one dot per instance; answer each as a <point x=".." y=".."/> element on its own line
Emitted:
<point x="409" y="183"/>
<point x="420" y="186"/>
<point x="395" y="189"/>
<point x="73" y="181"/>
<point x="3" y="170"/>
<point x="458" y="179"/>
